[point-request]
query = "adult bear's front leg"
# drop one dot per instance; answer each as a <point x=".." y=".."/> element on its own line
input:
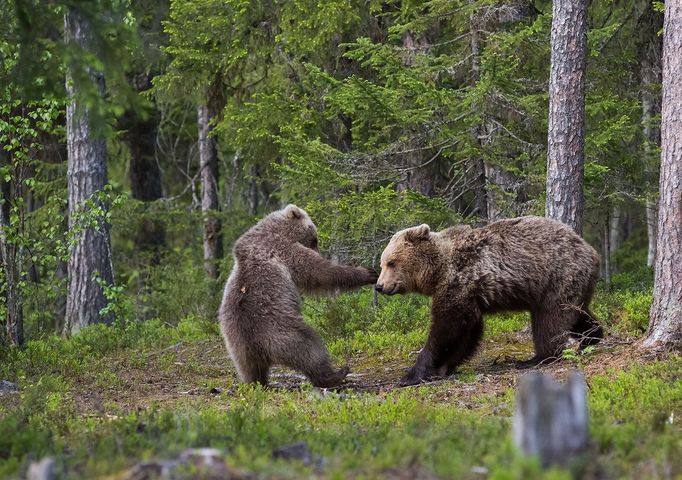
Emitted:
<point x="456" y="326"/>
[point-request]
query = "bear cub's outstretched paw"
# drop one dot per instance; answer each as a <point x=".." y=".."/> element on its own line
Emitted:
<point x="370" y="276"/>
<point x="333" y="380"/>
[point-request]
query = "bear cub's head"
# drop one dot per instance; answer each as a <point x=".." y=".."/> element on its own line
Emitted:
<point x="408" y="262"/>
<point x="294" y="224"/>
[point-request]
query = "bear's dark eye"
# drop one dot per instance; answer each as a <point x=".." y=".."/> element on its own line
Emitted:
<point x="390" y="264"/>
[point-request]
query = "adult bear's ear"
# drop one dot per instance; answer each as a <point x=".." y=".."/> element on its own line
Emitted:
<point x="292" y="212"/>
<point x="415" y="234"/>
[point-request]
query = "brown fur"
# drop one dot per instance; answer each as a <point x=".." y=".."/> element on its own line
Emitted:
<point x="527" y="263"/>
<point x="260" y="313"/>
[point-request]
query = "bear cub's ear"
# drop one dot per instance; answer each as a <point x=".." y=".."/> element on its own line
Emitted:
<point x="292" y="212"/>
<point x="415" y="234"/>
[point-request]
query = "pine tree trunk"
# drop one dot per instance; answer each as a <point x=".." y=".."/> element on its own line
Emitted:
<point x="565" y="140"/>
<point x="208" y="156"/>
<point x="665" y="325"/>
<point x="479" y="183"/>
<point x="419" y="172"/>
<point x="87" y="175"/>
<point x="144" y="172"/>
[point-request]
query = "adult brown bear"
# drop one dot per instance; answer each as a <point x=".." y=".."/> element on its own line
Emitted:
<point x="527" y="263"/>
<point x="260" y="315"/>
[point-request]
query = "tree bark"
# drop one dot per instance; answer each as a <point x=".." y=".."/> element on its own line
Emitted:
<point x="479" y="131"/>
<point x="665" y="327"/>
<point x="254" y="190"/>
<point x="87" y="175"/>
<point x="144" y="172"/>
<point x="419" y="173"/>
<point x="12" y="262"/>
<point x="616" y="228"/>
<point x="208" y="156"/>
<point x="565" y="139"/>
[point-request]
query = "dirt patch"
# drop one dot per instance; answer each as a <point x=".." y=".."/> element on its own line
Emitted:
<point x="199" y="372"/>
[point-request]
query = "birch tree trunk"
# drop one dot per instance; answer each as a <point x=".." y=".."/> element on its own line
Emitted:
<point x="565" y="139"/>
<point x="208" y="157"/>
<point x="665" y="325"/>
<point x="616" y="228"/>
<point x="86" y="175"/>
<point x="651" y="229"/>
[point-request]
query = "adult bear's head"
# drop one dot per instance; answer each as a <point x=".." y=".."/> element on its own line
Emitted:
<point x="409" y="262"/>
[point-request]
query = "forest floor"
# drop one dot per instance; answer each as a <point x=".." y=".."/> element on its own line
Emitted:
<point x="201" y="371"/>
<point x="106" y="400"/>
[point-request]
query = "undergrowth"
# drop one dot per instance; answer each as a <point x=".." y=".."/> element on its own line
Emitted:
<point x="634" y="426"/>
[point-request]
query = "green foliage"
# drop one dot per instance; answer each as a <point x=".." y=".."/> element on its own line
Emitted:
<point x="630" y="407"/>
<point x="358" y="225"/>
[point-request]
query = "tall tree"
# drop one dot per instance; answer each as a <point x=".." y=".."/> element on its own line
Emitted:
<point x="90" y="262"/>
<point x="665" y="325"/>
<point x="566" y="133"/>
<point x="10" y="261"/>
<point x="208" y="160"/>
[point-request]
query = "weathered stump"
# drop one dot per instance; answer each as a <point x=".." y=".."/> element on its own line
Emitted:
<point x="42" y="470"/>
<point x="550" y="420"/>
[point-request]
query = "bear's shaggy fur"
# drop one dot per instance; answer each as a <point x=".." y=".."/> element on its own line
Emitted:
<point x="260" y="315"/>
<point x="527" y="263"/>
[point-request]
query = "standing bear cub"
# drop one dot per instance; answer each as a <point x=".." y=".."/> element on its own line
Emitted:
<point x="260" y="315"/>
<point x="526" y="263"/>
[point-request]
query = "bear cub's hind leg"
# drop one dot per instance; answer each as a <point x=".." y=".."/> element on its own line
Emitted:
<point x="304" y="351"/>
<point x="252" y="370"/>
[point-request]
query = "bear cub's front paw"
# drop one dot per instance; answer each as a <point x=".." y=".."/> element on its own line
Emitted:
<point x="369" y="276"/>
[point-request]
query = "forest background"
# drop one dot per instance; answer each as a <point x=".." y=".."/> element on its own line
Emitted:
<point x="146" y="136"/>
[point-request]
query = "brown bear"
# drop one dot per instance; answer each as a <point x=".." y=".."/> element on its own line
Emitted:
<point x="260" y="315"/>
<point x="526" y="263"/>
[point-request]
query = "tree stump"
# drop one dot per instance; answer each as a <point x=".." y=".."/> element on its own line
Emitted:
<point x="42" y="470"/>
<point x="550" y="420"/>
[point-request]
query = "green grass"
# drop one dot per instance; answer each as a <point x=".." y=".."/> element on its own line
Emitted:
<point x="446" y="428"/>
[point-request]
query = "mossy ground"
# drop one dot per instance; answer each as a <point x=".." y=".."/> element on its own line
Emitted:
<point x="113" y="396"/>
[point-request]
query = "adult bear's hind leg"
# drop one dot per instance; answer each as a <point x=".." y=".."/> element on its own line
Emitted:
<point x="549" y="334"/>
<point x="586" y="329"/>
